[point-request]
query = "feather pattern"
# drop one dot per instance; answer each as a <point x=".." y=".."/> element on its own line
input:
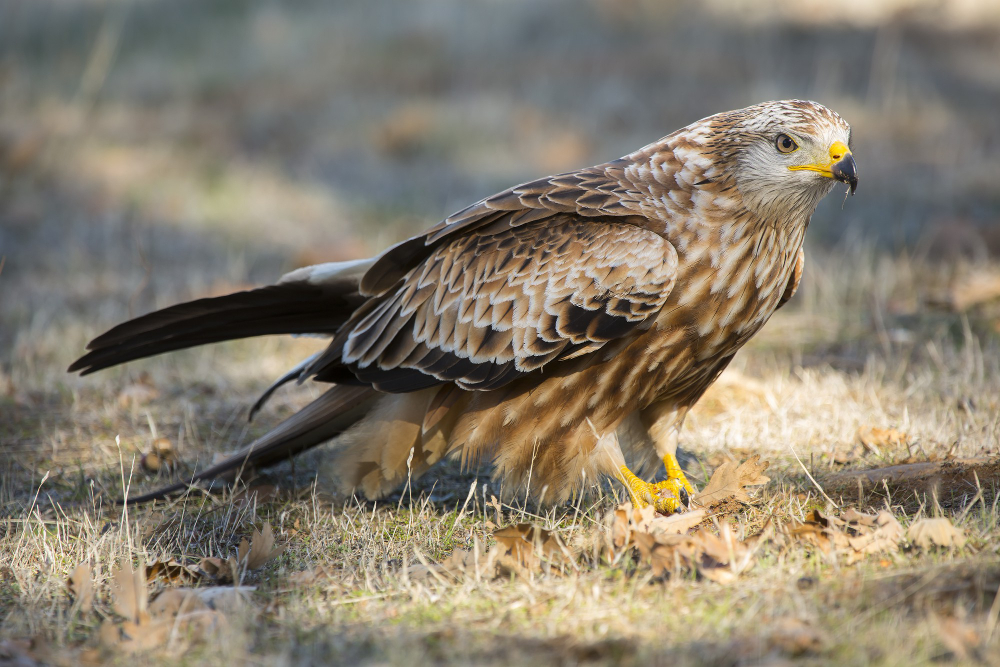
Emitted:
<point x="486" y="309"/>
<point x="528" y="327"/>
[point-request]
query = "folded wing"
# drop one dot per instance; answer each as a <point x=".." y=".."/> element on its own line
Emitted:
<point x="485" y="308"/>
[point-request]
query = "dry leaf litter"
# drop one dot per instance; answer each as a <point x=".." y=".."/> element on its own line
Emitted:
<point x="692" y="542"/>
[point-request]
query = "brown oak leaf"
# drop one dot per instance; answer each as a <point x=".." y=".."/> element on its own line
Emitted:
<point x="939" y="532"/>
<point x="730" y="481"/>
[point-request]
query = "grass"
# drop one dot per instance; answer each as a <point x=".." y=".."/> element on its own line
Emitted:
<point x="365" y="607"/>
<point x="156" y="151"/>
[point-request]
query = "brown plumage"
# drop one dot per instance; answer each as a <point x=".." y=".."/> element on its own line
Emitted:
<point x="549" y="326"/>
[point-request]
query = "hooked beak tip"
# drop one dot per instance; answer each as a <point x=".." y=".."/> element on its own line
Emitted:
<point x="846" y="171"/>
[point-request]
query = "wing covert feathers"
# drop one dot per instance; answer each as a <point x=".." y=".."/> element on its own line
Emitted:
<point x="601" y="191"/>
<point x="482" y="310"/>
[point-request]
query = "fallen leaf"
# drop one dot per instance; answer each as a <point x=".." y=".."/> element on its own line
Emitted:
<point x="730" y="481"/>
<point x="461" y="563"/>
<point x="818" y="531"/>
<point x="882" y="534"/>
<point x="525" y="547"/>
<point x="161" y="456"/>
<point x="720" y="558"/>
<point x="250" y="555"/>
<point x="177" y="617"/>
<point x="294" y="530"/>
<point x="464" y="562"/>
<point x="219" y="570"/>
<point x="81" y="586"/>
<point x="129" y="593"/>
<point x="312" y="577"/>
<point x="973" y="290"/>
<point x="677" y="524"/>
<point x="627" y="520"/>
<point x="260" y="550"/>
<point x="666" y="553"/>
<point x="846" y="454"/>
<point x="939" y="532"/>
<point x="881" y="440"/>
<point x="853" y="535"/>
<point x="173" y="572"/>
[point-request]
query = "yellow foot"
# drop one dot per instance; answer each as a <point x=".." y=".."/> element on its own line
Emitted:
<point x="643" y="493"/>
<point x="676" y="482"/>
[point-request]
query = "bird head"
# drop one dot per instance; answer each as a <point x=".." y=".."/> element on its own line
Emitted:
<point x="785" y="156"/>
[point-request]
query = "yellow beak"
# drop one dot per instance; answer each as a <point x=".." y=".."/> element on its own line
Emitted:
<point x="841" y="166"/>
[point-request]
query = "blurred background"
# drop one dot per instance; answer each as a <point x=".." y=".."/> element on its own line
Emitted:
<point x="158" y="150"/>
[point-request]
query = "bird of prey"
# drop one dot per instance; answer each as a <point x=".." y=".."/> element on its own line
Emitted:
<point x="560" y="329"/>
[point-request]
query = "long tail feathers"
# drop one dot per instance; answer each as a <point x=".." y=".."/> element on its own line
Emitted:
<point x="290" y="308"/>
<point x="327" y="416"/>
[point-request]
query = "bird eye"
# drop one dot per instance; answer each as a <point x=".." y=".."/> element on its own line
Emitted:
<point x="785" y="144"/>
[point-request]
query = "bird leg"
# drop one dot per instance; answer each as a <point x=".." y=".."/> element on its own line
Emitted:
<point x="644" y="493"/>
<point x="676" y="481"/>
<point x="663" y="421"/>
